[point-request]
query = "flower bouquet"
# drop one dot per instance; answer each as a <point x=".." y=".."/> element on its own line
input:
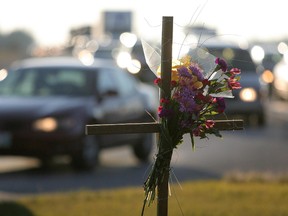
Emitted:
<point x="197" y="94"/>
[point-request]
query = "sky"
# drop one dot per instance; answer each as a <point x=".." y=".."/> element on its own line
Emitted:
<point x="49" y="22"/>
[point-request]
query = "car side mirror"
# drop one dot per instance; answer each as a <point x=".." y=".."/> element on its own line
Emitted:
<point x="108" y="94"/>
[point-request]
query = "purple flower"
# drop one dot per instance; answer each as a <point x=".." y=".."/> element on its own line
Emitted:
<point x="183" y="71"/>
<point x="197" y="72"/>
<point x="185" y="98"/>
<point x="186" y="123"/>
<point x="187" y="106"/>
<point x="221" y="64"/>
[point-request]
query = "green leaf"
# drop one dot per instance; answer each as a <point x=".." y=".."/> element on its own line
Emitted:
<point x="192" y="141"/>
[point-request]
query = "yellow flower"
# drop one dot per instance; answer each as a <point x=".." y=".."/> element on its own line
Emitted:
<point x="174" y="73"/>
<point x="194" y="79"/>
<point x="198" y="85"/>
<point x="186" y="61"/>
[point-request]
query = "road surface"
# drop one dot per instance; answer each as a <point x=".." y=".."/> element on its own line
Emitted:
<point x="253" y="149"/>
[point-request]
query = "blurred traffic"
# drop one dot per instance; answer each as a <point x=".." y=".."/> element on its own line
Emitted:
<point x="103" y="77"/>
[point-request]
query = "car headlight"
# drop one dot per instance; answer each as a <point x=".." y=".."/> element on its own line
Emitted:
<point x="267" y="76"/>
<point x="48" y="124"/>
<point x="248" y="94"/>
<point x="134" y="67"/>
<point x="123" y="59"/>
<point x="3" y="74"/>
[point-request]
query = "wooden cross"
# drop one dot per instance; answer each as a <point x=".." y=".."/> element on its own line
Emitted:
<point x="154" y="127"/>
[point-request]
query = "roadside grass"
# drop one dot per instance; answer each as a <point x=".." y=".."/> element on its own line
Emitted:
<point x="217" y="197"/>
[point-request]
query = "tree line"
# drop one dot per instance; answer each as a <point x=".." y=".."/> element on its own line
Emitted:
<point x="14" y="46"/>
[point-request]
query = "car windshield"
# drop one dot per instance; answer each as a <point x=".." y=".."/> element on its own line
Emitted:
<point x="46" y="82"/>
<point x="235" y="58"/>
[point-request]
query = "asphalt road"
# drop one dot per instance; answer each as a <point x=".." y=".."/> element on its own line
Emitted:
<point x="253" y="149"/>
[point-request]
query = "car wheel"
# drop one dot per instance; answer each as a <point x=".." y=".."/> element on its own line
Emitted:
<point x="255" y="120"/>
<point x="88" y="155"/>
<point x="143" y="148"/>
<point x="45" y="163"/>
<point x="275" y="95"/>
<point x="261" y="119"/>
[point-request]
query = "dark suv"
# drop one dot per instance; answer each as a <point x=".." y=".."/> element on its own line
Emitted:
<point x="249" y="100"/>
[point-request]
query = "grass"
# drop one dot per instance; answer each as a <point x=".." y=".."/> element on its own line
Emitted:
<point x="211" y="198"/>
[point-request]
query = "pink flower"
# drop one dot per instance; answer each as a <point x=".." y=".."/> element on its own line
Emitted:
<point x="164" y="101"/>
<point x="202" y="98"/>
<point x="209" y="124"/>
<point x="164" y="112"/>
<point x="173" y="83"/>
<point x="235" y="71"/>
<point x="233" y="83"/>
<point x="197" y="131"/>
<point x="205" y="82"/>
<point x="157" y="81"/>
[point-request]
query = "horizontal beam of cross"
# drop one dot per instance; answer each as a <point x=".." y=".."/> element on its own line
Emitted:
<point x="151" y="127"/>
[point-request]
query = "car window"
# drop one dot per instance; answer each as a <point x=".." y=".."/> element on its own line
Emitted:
<point x="105" y="81"/>
<point x="46" y="82"/>
<point x="125" y="83"/>
<point x="27" y="84"/>
<point x="17" y="83"/>
<point x="65" y="81"/>
<point x="115" y="79"/>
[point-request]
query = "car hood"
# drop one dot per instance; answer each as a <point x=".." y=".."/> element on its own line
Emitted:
<point x="37" y="107"/>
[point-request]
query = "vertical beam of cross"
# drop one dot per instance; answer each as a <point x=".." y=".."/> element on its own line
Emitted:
<point x="165" y="92"/>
